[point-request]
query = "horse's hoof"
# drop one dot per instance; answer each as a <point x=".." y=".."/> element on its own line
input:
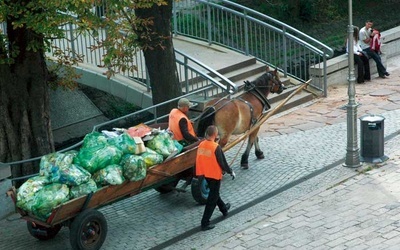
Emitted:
<point x="260" y="155"/>
<point x="245" y="166"/>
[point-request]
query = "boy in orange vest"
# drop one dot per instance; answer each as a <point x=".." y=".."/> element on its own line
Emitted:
<point x="211" y="163"/>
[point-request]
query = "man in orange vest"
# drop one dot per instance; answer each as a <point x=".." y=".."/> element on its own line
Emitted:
<point x="211" y="163"/>
<point x="180" y="125"/>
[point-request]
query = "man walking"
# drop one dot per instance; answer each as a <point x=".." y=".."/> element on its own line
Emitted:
<point x="211" y="163"/>
<point x="366" y="35"/>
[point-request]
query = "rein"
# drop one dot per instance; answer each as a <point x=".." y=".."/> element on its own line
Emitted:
<point x="254" y="90"/>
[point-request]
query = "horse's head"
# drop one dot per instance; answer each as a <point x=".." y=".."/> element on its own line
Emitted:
<point x="269" y="82"/>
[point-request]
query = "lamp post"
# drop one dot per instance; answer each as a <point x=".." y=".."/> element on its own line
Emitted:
<point x="353" y="152"/>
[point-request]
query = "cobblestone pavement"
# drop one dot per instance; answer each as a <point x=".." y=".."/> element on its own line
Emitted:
<point x="303" y="158"/>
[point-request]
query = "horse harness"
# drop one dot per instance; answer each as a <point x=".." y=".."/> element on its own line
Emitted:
<point x="263" y="100"/>
<point x="253" y="90"/>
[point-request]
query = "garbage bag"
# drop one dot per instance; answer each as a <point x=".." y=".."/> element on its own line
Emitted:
<point x="49" y="197"/>
<point x="125" y="143"/>
<point x="163" y="144"/>
<point x="72" y="175"/>
<point x="112" y="174"/>
<point x="133" y="167"/>
<point x="52" y="162"/>
<point x="83" y="189"/>
<point x="95" y="158"/>
<point x="94" y="139"/>
<point x="26" y="192"/>
<point x="151" y="158"/>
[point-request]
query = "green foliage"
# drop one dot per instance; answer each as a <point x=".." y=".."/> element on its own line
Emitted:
<point x="45" y="20"/>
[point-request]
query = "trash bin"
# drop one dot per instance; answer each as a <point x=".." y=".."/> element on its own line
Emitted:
<point x="372" y="138"/>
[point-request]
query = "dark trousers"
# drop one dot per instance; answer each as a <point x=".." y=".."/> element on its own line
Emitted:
<point x="213" y="200"/>
<point x="378" y="61"/>
<point x="362" y="68"/>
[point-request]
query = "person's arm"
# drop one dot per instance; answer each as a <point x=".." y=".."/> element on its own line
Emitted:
<point x="219" y="154"/>
<point x="183" y="126"/>
<point x="365" y="36"/>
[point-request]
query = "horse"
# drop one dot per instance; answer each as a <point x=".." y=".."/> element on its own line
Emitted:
<point x="236" y="116"/>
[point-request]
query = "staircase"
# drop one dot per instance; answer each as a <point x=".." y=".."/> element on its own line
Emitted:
<point x="248" y="68"/>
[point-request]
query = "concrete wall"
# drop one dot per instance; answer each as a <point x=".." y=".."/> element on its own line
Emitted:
<point x="337" y="67"/>
<point x="119" y="86"/>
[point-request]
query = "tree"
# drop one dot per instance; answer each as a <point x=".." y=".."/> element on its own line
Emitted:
<point x="160" y="60"/>
<point x="25" y="125"/>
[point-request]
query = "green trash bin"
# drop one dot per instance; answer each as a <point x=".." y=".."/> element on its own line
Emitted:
<point x="372" y="138"/>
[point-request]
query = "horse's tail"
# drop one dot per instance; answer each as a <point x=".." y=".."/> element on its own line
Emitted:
<point x="206" y="119"/>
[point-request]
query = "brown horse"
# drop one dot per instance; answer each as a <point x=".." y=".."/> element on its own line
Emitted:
<point x="236" y="116"/>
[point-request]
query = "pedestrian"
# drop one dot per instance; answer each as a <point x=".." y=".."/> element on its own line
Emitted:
<point x="376" y="41"/>
<point x="211" y="163"/>
<point x="360" y="58"/>
<point x="366" y="35"/>
<point x="180" y="125"/>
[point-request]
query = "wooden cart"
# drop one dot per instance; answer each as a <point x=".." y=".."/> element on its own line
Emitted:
<point x="88" y="227"/>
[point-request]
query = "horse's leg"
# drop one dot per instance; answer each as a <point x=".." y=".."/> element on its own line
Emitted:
<point x="258" y="152"/>
<point x="244" y="162"/>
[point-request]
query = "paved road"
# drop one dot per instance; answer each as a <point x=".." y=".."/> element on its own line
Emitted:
<point x="298" y="162"/>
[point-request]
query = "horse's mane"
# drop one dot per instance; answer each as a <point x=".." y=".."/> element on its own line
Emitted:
<point x="206" y="119"/>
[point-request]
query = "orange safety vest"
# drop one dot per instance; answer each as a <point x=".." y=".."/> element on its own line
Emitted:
<point x="206" y="161"/>
<point x="173" y="124"/>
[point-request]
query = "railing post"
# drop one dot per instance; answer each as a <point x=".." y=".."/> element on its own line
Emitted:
<point x="174" y="18"/>
<point x="246" y="34"/>
<point x="71" y="33"/>
<point x="185" y="66"/>
<point x="209" y="26"/>
<point x="285" y="63"/>
<point x="325" y="76"/>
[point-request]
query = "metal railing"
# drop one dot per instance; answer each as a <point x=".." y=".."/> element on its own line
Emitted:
<point x="192" y="73"/>
<point x="252" y="33"/>
<point x="152" y="117"/>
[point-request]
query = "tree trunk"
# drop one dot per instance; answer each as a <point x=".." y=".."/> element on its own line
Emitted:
<point x="25" y="128"/>
<point x="160" y="58"/>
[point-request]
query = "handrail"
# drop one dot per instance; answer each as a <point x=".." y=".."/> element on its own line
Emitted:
<point x="329" y="50"/>
<point x="98" y="126"/>
<point x="252" y="33"/>
<point x="229" y="86"/>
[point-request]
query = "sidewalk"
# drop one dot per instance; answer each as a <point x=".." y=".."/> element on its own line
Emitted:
<point x="359" y="211"/>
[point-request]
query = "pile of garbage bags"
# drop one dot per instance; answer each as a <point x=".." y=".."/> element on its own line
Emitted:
<point x="107" y="158"/>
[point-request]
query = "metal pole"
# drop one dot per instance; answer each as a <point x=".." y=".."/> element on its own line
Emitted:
<point x="353" y="152"/>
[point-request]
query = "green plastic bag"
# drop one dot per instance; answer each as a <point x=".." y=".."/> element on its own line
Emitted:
<point x="50" y="163"/>
<point x="112" y="174"/>
<point x="95" y="158"/>
<point x="162" y="144"/>
<point x="26" y="192"/>
<point x="72" y="175"/>
<point x="125" y="143"/>
<point x="133" y="167"/>
<point x="94" y="139"/>
<point x="83" y="189"/>
<point x="151" y="158"/>
<point x="49" y="197"/>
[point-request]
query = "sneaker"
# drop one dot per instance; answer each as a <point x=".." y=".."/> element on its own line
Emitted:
<point x="386" y="74"/>
<point x="208" y="227"/>
<point x="382" y="76"/>
<point x="227" y="207"/>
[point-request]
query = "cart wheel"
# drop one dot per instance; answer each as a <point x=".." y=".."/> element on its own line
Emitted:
<point x="200" y="190"/>
<point x="41" y="232"/>
<point x="88" y="230"/>
<point x="166" y="188"/>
